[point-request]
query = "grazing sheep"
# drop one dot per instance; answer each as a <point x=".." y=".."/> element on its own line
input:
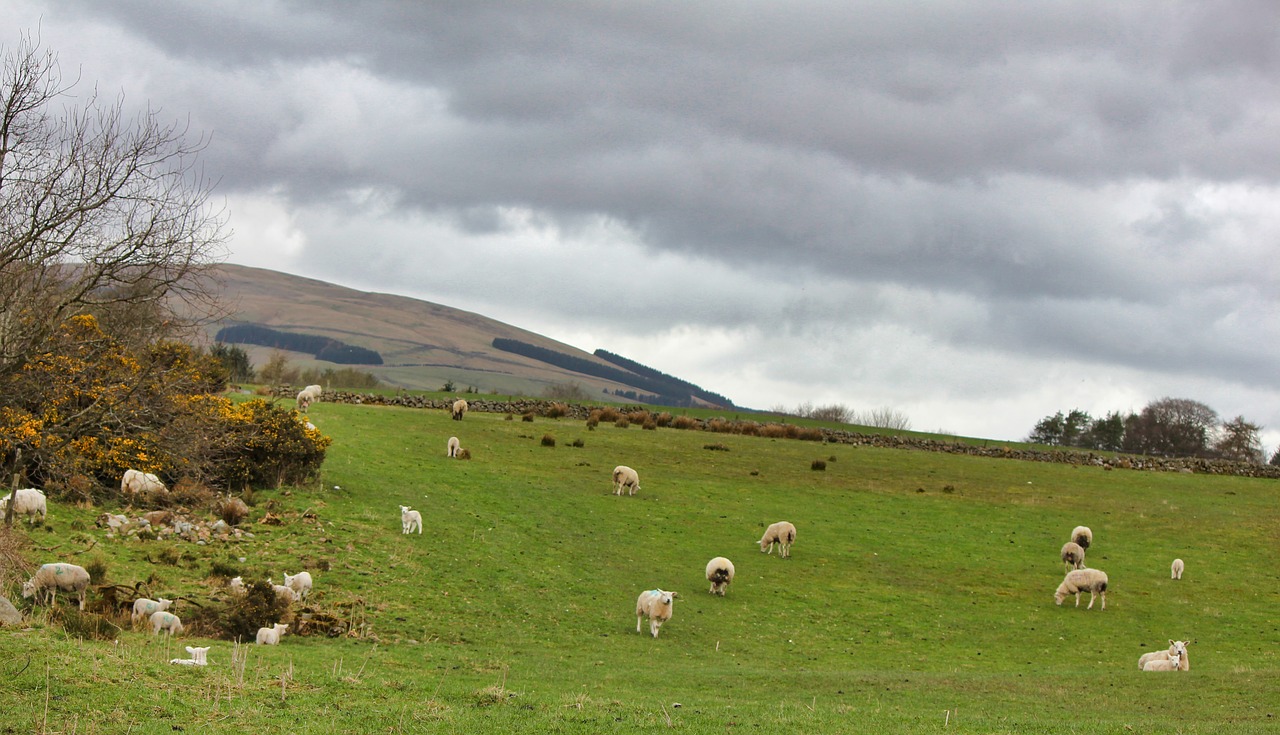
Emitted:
<point x="300" y="583"/>
<point x="625" y="477"/>
<point x="410" y="520"/>
<point x="1175" y="569"/>
<point x="30" y="502"/>
<point x="1072" y="555"/>
<point x="657" y="606"/>
<point x="1175" y="647"/>
<point x="237" y="586"/>
<point x="459" y="409"/>
<point x="1164" y="664"/>
<point x="1093" y="581"/>
<point x="197" y="653"/>
<point x="143" y="608"/>
<point x="309" y="395"/>
<point x="137" y="481"/>
<point x="166" y="621"/>
<point x="1082" y="536"/>
<point x="50" y="578"/>
<point x="781" y="533"/>
<point x="271" y="636"/>
<point x="455" y="446"/>
<point x="719" y="574"/>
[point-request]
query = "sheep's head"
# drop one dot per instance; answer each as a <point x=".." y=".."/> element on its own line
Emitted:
<point x="1175" y="659"/>
<point x="1059" y="596"/>
<point x="404" y="509"/>
<point x="1178" y="648"/>
<point x="164" y="603"/>
<point x="28" y="588"/>
<point x="666" y="597"/>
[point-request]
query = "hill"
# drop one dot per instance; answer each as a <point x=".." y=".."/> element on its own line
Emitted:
<point x="422" y="345"/>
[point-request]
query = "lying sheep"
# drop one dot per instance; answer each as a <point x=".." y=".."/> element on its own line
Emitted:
<point x="1072" y="555"/>
<point x="198" y="655"/>
<point x="1175" y="647"/>
<point x="459" y="409"/>
<point x="625" y="478"/>
<point x="308" y="395"/>
<point x="1093" y="581"/>
<point x="657" y="606"/>
<point x="237" y="586"/>
<point x="30" y="502"/>
<point x="781" y="533"/>
<point x="454" y="447"/>
<point x="143" y="608"/>
<point x="1082" y="536"/>
<point x="166" y="621"/>
<point x="719" y="574"/>
<point x="271" y="636"/>
<point x="410" y="520"/>
<point x="137" y="481"/>
<point x="300" y="583"/>
<point x="1164" y="664"/>
<point x="282" y="592"/>
<point x="50" y="578"/>
<point x="1175" y="569"/>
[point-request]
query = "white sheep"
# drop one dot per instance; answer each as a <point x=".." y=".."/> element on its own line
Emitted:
<point x="1072" y="555"/>
<point x="455" y="446"/>
<point x="30" y="502"/>
<point x="143" y="607"/>
<point x="1175" y="569"/>
<point x="1093" y="581"/>
<point x="166" y="621"/>
<point x="198" y="654"/>
<point x="1173" y="663"/>
<point x="781" y="533"/>
<point x="459" y="409"/>
<point x="625" y="478"/>
<point x="719" y="574"/>
<point x="137" y="481"/>
<point x="410" y="520"/>
<point x="309" y="395"/>
<point x="1175" y="647"/>
<point x="1083" y="536"/>
<point x="300" y="583"/>
<point x="271" y="636"/>
<point x="50" y="578"/>
<point x="237" y="586"/>
<point x="657" y="606"/>
<point x="282" y="592"/>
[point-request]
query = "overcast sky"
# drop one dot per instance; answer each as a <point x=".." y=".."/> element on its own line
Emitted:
<point x="975" y="213"/>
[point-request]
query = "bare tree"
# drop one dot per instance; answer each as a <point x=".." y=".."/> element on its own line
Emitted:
<point x="1240" y="441"/>
<point x="884" y="418"/>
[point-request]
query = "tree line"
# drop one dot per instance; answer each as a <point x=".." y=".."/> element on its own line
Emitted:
<point x="324" y="348"/>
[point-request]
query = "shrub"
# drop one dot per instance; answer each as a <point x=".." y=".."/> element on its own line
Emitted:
<point x="548" y="440"/>
<point x="556" y="410"/>
<point x="78" y="624"/>
<point x="508" y="417"/>
<point x="609" y="414"/>
<point x="97" y="567"/>
<point x="233" y="511"/>
<point x="257" y="608"/>
<point x="622" y="422"/>
<point x="663" y="419"/>
<point x="818" y="465"/>
<point x="578" y="443"/>
<point x="685" y="422"/>
<point x="716" y="447"/>
<point x="223" y="568"/>
<point x="810" y="434"/>
<point x="527" y="417"/>
<point x="650" y="425"/>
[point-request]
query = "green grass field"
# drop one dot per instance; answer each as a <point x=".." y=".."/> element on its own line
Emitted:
<point x="918" y="597"/>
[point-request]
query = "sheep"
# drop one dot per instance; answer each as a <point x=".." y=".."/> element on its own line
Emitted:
<point x="50" y="578"/>
<point x="283" y="592"/>
<point x="459" y="409"/>
<point x="1175" y="569"/>
<point x="308" y="395"/>
<point x="300" y="583"/>
<point x="1175" y="647"/>
<point x="781" y="533"/>
<point x="237" y="586"/>
<point x="197" y="653"/>
<point x="137" y="481"/>
<point x="1094" y="581"/>
<point x="625" y="478"/>
<point x="1164" y="664"/>
<point x="657" y="606"/>
<point x="1082" y="536"/>
<point x="143" y="607"/>
<point x="455" y="446"/>
<point x="719" y="574"/>
<point x="30" y="502"/>
<point x="166" y="621"/>
<point x="410" y="520"/>
<point x="271" y="636"/>
<point x="1072" y="555"/>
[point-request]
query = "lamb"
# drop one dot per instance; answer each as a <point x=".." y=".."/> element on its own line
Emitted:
<point x="1175" y="647"/>
<point x="271" y="636"/>
<point x="1175" y="569"/>
<point x="1094" y="581"/>
<point x="197" y="653"/>
<point x="300" y="583"/>
<point x="625" y="477"/>
<point x="166" y="621"/>
<point x="1164" y="664"/>
<point x="137" y="481"/>
<point x="459" y="409"/>
<point x="410" y="520"/>
<point x="50" y="578"/>
<point x="309" y="395"/>
<point x="143" y="608"/>
<point x="1072" y="555"/>
<point x="1082" y="536"/>
<point x="657" y="606"/>
<point x="283" y="592"/>
<point x="30" y="502"/>
<point x="237" y="586"/>
<point x="781" y="533"/>
<point x="719" y="574"/>
<point x="455" y="446"/>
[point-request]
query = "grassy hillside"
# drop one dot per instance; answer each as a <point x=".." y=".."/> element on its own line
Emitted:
<point x="918" y="597"/>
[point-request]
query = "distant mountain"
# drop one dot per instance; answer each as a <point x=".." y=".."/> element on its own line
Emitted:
<point x="422" y="345"/>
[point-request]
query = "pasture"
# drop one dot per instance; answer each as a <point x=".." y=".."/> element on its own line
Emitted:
<point x="918" y="598"/>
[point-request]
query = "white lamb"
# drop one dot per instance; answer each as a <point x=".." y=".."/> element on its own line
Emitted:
<point x="271" y="636"/>
<point x="198" y="654"/>
<point x="1175" y="569"/>
<point x="781" y="533"/>
<point x="137" y="481"/>
<point x="166" y="621"/>
<point x="1072" y="555"/>
<point x="282" y="592"/>
<point x="300" y="583"/>
<point x="143" y="608"/>
<point x="410" y="520"/>
<point x="237" y="586"/>
<point x="30" y="502"/>
<point x="657" y="606"/>
<point x="1164" y="664"/>
<point x="309" y="395"/>
<point x="1093" y="581"/>
<point x="1175" y="647"/>
<point x="719" y="574"/>
<point x="50" y="578"/>
<point x="459" y="409"/>
<point x="455" y="446"/>
<point x="625" y="478"/>
<point x="1083" y="536"/>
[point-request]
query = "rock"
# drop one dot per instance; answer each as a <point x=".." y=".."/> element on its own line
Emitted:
<point x="9" y="614"/>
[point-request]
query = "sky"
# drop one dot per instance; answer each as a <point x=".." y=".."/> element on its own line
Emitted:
<point x="975" y="214"/>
